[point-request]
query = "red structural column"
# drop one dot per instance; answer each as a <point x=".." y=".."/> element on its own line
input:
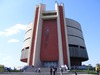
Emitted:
<point x="33" y="37"/>
<point x="64" y="48"/>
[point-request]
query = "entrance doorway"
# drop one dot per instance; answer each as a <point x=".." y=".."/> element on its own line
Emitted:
<point x="50" y="63"/>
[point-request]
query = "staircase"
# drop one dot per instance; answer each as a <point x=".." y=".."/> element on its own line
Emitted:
<point x="44" y="71"/>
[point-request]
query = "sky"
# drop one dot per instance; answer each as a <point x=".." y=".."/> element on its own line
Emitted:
<point x="15" y="15"/>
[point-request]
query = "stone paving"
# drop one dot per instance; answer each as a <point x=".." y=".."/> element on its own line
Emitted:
<point x="41" y="73"/>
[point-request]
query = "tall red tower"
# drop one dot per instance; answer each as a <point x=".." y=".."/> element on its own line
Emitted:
<point x="49" y="45"/>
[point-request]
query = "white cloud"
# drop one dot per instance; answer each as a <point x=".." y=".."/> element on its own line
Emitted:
<point x="7" y="58"/>
<point x="9" y="61"/>
<point x="13" y="40"/>
<point x="13" y="30"/>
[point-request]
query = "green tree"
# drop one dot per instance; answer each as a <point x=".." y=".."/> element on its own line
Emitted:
<point x="1" y="68"/>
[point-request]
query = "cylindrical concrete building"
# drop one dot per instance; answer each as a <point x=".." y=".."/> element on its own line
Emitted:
<point x="77" y="48"/>
<point x="53" y="40"/>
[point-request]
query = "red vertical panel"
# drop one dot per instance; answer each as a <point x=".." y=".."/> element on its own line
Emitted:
<point x="49" y="41"/>
<point x="63" y="35"/>
<point x="33" y="37"/>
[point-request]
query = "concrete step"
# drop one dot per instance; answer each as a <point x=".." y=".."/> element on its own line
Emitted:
<point x="41" y="73"/>
<point x="33" y="69"/>
<point x="27" y="73"/>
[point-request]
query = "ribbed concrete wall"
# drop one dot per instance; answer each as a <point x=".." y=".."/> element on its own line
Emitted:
<point x="77" y="48"/>
<point x="26" y="43"/>
<point x="75" y="35"/>
<point x="28" y="35"/>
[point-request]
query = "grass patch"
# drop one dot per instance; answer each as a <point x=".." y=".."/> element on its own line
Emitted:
<point x="15" y="71"/>
<point x="85" y="71"/>
<point x="92" y="72"/>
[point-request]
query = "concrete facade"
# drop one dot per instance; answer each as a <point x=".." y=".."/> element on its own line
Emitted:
<point x="53" y="40"/>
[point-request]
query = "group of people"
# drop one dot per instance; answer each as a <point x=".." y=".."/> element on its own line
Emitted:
<point x="53" y="70"/>
<point x="37" y="70"/>
<point x="62" y="68"/>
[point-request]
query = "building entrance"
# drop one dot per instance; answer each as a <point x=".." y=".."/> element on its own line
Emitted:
<point x="50" y="63"/>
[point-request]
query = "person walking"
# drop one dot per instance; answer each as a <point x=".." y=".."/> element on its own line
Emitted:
<point x="61" y="71"/>
<point x="39" y="70"/>
<point x="51" y="68"/>
<point x="54" y="70"/>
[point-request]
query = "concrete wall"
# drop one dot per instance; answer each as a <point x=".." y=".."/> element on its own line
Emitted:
<point x="75" y="35"/>
<point x="26" y="43"/>
<point x="77" y="48"/>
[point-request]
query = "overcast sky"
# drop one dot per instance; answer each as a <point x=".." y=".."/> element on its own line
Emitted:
<point x="15" y="15"/>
